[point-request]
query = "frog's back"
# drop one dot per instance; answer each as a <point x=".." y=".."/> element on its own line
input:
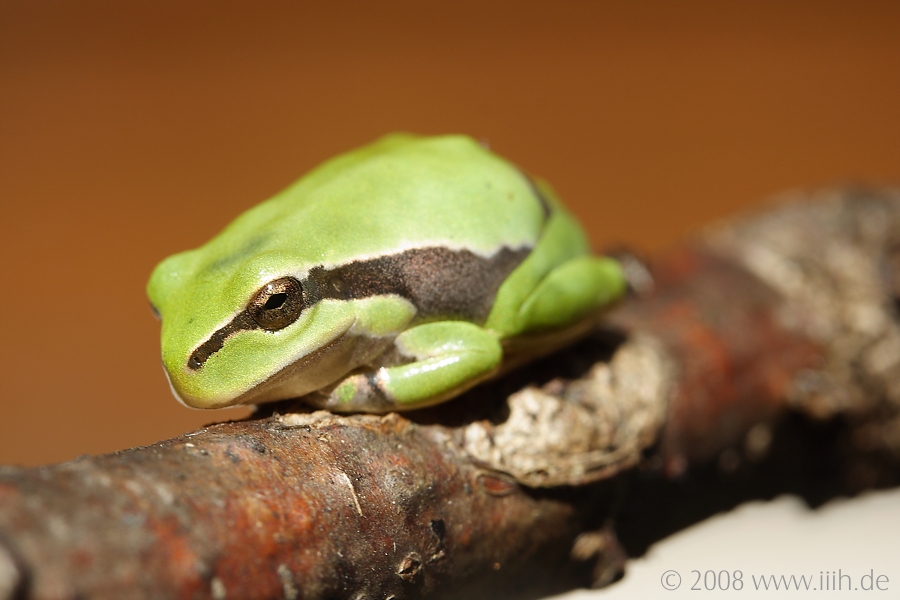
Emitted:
<point x="402" y="192"/>
<point x="427" y="248"/>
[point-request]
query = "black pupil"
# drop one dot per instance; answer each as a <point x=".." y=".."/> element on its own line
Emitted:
<point x="275" y="301"/>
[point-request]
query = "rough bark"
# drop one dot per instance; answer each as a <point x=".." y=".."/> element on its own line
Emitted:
<point x="763" y="359"/>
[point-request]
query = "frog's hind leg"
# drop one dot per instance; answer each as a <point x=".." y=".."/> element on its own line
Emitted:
<point x="557" y="284"/>
<point x="563" y="308"/>
<point x="572" y="290"/>
<point x="446" y="358"/>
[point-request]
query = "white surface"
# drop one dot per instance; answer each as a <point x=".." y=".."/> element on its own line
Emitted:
<point x="856" y="537"/>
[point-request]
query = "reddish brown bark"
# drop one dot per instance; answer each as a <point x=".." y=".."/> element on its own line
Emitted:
<point x="335" y="507"/>
<point x="768" y="351"/>
<point x="736" y="361"/>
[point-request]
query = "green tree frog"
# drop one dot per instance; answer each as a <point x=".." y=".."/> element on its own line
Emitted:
<point x="389" y="278"/>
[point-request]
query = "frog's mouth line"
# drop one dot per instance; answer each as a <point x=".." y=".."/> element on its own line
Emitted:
<point x="322" y="366"/>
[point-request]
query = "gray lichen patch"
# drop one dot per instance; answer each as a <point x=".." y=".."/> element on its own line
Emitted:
<point x="574" y="432"/>
<point x="829" y="254"/>
<point x="834" y="256"/>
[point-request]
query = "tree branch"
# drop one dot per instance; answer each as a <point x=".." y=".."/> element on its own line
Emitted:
<point x="766" y="354"/>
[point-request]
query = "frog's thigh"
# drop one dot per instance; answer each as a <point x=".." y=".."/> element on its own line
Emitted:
<point x="571" y="290"/>
<point x="447" y="355"/>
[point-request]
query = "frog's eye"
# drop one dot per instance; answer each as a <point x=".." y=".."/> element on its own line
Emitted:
<point x="277" y="304"/>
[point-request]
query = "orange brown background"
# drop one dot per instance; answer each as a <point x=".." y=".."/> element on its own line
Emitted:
<point x="132" y="130"/>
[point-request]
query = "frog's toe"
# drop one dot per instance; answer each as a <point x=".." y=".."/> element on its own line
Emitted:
<point x="361" y="392"/>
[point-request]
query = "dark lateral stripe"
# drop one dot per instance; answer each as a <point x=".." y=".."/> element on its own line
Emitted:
<point x="441" y="283"/>
<point x="455" y="284"/>
<point x="242" y="322"/>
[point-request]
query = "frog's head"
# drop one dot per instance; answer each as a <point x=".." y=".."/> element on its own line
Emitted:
<point x="230" y="330"/>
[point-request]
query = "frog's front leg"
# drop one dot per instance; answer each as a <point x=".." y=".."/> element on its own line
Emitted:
<point x="446" y="356"/>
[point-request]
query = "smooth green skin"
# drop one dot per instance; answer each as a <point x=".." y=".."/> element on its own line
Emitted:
<point x="398" y="193"/>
